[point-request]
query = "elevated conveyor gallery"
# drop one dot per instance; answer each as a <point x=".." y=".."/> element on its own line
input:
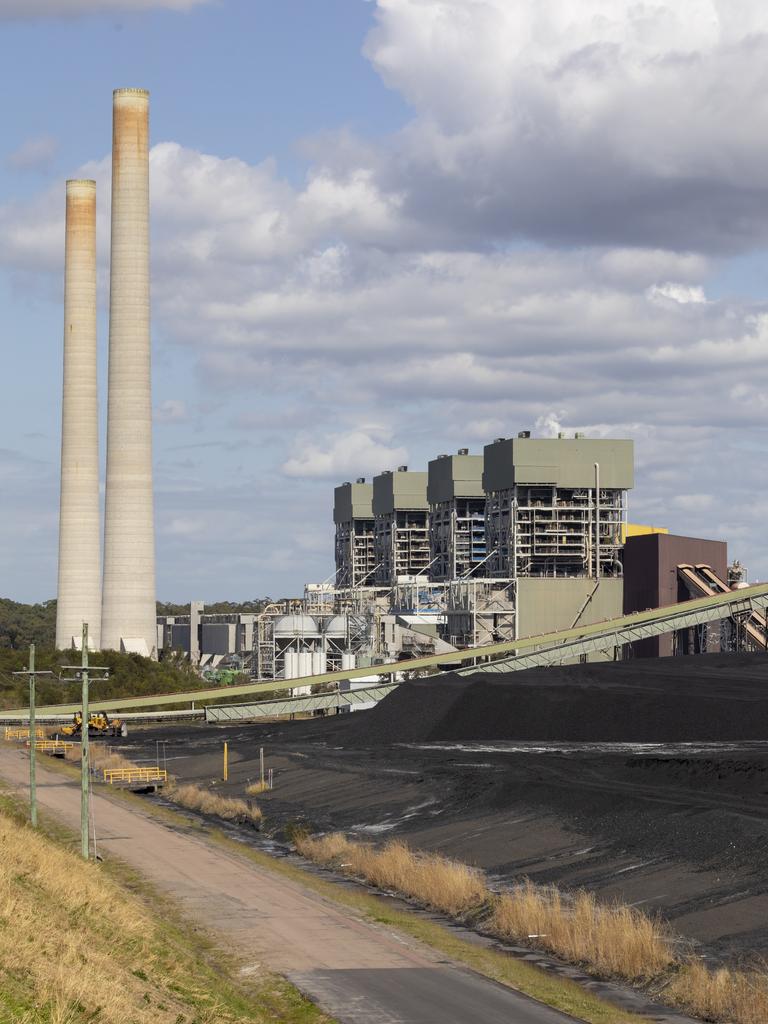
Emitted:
<point x="703" y="581"/>
<point x="525" y="652"/>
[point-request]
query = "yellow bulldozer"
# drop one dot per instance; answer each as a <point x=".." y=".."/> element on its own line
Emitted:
<point x="98" y="725"/>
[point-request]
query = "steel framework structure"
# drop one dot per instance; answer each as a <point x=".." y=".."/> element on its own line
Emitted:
<point x="298" y="705"/>
<point x="547" y="648"/>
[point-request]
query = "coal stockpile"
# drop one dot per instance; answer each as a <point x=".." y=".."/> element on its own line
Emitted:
<point x="705" y="698"/>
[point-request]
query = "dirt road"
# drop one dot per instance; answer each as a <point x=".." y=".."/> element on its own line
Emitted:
<point x="358" y="972"/>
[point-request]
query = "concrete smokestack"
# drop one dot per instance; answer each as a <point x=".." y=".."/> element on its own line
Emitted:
<point x="128" y="609"/>
<point x="79" y="590"/>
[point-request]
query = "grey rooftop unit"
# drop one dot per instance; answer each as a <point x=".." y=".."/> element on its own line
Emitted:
<point x="352" y="501"/>
<point x="455" y="476"/>
<point x="402" y="490"/>
<point x="561" y="462"/>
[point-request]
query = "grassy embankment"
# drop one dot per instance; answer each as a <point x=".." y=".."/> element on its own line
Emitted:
<point x="610" y="940"/>
<point x="78" y="945"/>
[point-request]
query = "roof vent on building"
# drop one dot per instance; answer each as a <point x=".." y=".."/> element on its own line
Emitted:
<point x="463" y="451"/>
<point x="443" y="456"/>
<point x="386" y="472"/>
<point x="346" y="484"/>
<point x="402" y="469"/>
<point x="523" y="433"/>
<point x="360" y="480"/>
<point x="496" y="440"/>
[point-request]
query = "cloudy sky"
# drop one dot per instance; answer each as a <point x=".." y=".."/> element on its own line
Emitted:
<point x="384" y="230"/>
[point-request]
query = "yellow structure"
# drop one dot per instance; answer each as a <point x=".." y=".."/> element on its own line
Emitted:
<point x="134" y="774"/>
<point x="638" y="530"/>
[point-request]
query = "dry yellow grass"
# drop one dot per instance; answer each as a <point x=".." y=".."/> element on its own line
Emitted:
<point x="203" y="800"/>
<point x="101" y="756"/>
<point x="722" y="995"/>
<point x="74" y="946"/>
<point x="256" y="788"/>
<point x="611" y="939"/>
<point x="435" y="881"/>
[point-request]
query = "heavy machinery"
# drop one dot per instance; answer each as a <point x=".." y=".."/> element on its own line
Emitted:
<point x="99" y="724"/>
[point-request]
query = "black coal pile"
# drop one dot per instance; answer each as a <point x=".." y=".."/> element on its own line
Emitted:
<point x="701" y="698"/>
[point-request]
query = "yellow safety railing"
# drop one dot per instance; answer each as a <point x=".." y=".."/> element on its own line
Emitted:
<point x="53" y="746"/>
<point x="146" y="774"/>
<point x="15" y="733"/>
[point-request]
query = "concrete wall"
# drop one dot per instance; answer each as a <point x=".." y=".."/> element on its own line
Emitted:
<point x="564" y="462"/>
<point x="651" y="579"/>
<point x="219" y="638"/>
<point x="545" y="605"/>
<point x="79" y="583"/>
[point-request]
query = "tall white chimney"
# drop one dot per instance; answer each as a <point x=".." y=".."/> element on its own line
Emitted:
<point x="79" y="586"/>
<point x="128" y="608"/>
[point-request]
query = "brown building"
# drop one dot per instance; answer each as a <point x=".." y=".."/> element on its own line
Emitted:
<point x="651" y="580"/>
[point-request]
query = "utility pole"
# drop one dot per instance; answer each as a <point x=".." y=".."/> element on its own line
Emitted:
<point x="30" y="671"/>
<point x="85" y="776"/>
<point x="32" y="740"/>
<point x="83" y="673"/>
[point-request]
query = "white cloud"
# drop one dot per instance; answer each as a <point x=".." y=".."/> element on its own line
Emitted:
<point x="172" y="410"/>
<point x="34" y="154"/>
<point x="391" y="303"/>
<point x="604" y="120"/>
<point x="675" y="292"/>
<point x="26" y="9"/>
<point x="693" y="502"/>
<point x="184" y="526"/>
<point x="352" y="454"/>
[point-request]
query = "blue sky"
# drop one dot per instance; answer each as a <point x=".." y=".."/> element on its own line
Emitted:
<point x="383" y="230"/>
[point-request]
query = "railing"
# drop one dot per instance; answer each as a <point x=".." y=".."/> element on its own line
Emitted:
<point x="15" y="733"/>
<point x="137" y="774"/>
<point x="53" y="746"/>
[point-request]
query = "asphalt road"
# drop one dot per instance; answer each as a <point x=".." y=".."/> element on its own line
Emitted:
<point x="358" y="972"/>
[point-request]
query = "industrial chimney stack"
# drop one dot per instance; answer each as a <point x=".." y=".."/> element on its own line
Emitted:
<point x="128" y="609"/>
<point x="79" y="587"/>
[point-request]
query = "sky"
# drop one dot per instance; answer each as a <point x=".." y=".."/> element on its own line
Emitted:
<point x="387" y="229"/>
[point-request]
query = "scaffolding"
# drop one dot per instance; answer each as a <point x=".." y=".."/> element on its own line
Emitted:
<point x="481" y="611"/>
<point x="457" y="537"/>
<point x="551" y="531"/>
<point x="401" y="544"/>
<point x="355" y="552"/>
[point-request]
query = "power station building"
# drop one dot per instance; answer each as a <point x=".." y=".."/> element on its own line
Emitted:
<point x="355" y="545"/>
<point x="456" y="499"/>
<point x="525" y="538"/>
<point x="401" y="525"/>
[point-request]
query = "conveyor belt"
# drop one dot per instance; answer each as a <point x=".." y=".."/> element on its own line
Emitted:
<point x="544" y="649"/>
<point x="702" y="579"/>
